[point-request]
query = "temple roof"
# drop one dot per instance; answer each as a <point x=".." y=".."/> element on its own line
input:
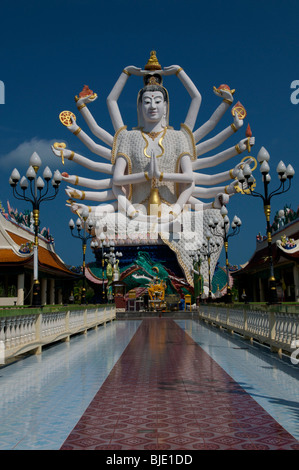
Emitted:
<point x="285" y="247"/>
<point x="16" y="243"/>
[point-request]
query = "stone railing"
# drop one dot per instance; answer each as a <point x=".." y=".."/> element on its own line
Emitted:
<point x="23" y="332"/>
<point x="278" y="330"/>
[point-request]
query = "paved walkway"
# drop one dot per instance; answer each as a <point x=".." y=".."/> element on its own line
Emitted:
<point x="166" y="393"/>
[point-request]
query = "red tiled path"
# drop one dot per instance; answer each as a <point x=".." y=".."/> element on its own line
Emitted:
<point x="166" y="393"/>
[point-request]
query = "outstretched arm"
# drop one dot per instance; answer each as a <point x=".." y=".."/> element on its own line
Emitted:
<point x="198" y="205"/>
<point x="222" y="156"/>
<point x="206" y="180"/>
<point x="83" y="161"/>
<point x="90" y="195"/>
<point x="90" y="144"/>
<point x="191" y="89"/>
<point x="210" y="144"/>
<point x="78" y="208"/>
<point x="89" y="119"/>
<point x="216" y="116"/>
<point x="220" y="200"/>
<point x="112" y="99"/>
<point x="207" y="193"/>
<point x="87" y="182"/>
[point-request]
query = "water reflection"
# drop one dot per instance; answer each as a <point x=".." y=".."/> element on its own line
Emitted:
<point x="43" y="397"/>
<point x="272" y="381"/>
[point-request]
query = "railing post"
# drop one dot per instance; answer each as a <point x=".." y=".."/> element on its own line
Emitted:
<point x="97" y="317"/>
<point x="272" y="333"/>
<point x="38" y="332"/>
<point x="85" y="321"/>
<point x="271" y="326"/>
<point x="244" y="321"/>
<point x="67" y="326"/>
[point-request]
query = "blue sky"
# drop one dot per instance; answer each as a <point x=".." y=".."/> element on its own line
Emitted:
<point x="49" y="51"/>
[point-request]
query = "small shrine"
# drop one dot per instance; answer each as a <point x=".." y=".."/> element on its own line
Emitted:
<point x="156" y="291"/>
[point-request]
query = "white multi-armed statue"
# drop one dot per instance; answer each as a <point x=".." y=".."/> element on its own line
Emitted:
<point x="155" y="185"/>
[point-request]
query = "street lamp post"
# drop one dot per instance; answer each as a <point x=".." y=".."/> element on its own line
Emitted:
<point x="38" y="194"/>
<point x="102" y="245"/>
<point x="112" y="259"/>
<point x="197" y="276"/>
<point x="246" y="180"/>
<point x="111" y="256"/>
<point x="223" y="232"/>
<point x="206" y="250"/>
<point x="82" y="222"/>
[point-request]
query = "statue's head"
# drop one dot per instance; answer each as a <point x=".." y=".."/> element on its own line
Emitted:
<point x="152" y="92"/>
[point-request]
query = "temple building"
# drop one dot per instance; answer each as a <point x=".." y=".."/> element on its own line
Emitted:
<point x="253" y="276"/>
<point x="16" y="263"/>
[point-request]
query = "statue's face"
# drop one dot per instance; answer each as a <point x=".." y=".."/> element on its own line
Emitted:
<point x="153" y="106"/>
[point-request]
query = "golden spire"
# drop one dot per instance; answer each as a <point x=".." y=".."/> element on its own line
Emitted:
<point x="153" y="63"/>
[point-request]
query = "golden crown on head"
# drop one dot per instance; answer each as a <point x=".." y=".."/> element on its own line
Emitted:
<point x="153" y="65"/>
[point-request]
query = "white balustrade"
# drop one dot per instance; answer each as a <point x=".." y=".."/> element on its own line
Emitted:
<point x="2" y="330"/>
<point x="236" y="319"/>
<point x="76" y="319"/>
<point x="222" y="317"/>
<point x="23" y="333"/>
<point x="277" y="329"/>
<point x="53" y="324"/>
<point x="15" y="331"/>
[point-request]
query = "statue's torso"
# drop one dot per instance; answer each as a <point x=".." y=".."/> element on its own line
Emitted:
<point x="168" y="147"/>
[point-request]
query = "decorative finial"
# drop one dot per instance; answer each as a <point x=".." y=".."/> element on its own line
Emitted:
<point x="248" y="132"/>
<point x="153" y="63"/>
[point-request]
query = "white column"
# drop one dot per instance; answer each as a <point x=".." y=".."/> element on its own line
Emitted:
<point x="21" y="283"/>
<point x="35" y="262"/>
<point x="52" y="291"/>
<point x="44" y="291"/>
